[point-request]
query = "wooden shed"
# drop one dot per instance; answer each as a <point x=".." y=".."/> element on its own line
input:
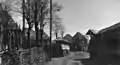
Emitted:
<point x="106" y="43"/>
<point x="57" y="50"/>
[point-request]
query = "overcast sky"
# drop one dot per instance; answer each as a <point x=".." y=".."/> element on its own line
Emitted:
<point x="81" y="15"/>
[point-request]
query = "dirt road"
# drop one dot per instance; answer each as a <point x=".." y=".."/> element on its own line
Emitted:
<point x="69" y="60"/>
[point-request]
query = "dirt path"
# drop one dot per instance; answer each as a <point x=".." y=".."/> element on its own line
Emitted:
<point x="68" y="60"/>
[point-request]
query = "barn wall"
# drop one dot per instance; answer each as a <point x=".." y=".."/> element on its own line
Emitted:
<point x="105" y="45"/>
<point x="94" y="46"/>
<point x="111" y="41"/>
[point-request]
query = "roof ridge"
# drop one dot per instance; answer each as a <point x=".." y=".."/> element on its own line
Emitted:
<point x="110" y="28"/>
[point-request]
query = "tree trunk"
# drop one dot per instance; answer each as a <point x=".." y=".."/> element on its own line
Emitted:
<point x="23" y="6"/>
<point x="10" y="41"/>
<point x="36" y="23"/>
<point x="41" y="36"/>
<point x="56" y="35"/>
<point x="28" y="41"/>
<point x="62" y="34"/>
<point x="37" y="35"/>
<point x="1" y="38"/>
<point x="23" y="33"/>
<point x="41" y="28"/>
<point x="50" y="30"/>
<point x="29" y="29"/>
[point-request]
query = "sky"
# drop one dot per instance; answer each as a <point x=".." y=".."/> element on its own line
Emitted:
<point x="81" y="15"/>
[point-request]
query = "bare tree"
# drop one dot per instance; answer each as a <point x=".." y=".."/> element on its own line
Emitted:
<point x="35" y="12"/>
<point x="62" y="31"/>
<point x="39" y="12"/>
<point x="58" y="28"/>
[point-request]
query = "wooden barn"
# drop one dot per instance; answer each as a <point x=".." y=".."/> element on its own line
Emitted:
<point x="106" y="44"/>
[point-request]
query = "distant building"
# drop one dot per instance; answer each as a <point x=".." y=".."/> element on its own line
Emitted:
<point x="6" y="24"/>
<point x="10" y="35"/>
<point x="59" y="46"/>
<point x="91" y="33"/>
<point x="68" y="37"/>
<point x="79" y="41"/>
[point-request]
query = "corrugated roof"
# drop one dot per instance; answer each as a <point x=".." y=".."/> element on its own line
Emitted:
<point x="115" y="26"/>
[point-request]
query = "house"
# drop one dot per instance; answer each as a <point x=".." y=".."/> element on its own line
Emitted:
<point x="91" y="33"/>
<point x="10" y="36"/>
<point x="68" y="37"/>
<point x="33" y="38"/>
<point x="79" y="41"/>
<point x="105" y="44"/>
<point x="36" y="52"/>
<point x="6" y="24"/>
